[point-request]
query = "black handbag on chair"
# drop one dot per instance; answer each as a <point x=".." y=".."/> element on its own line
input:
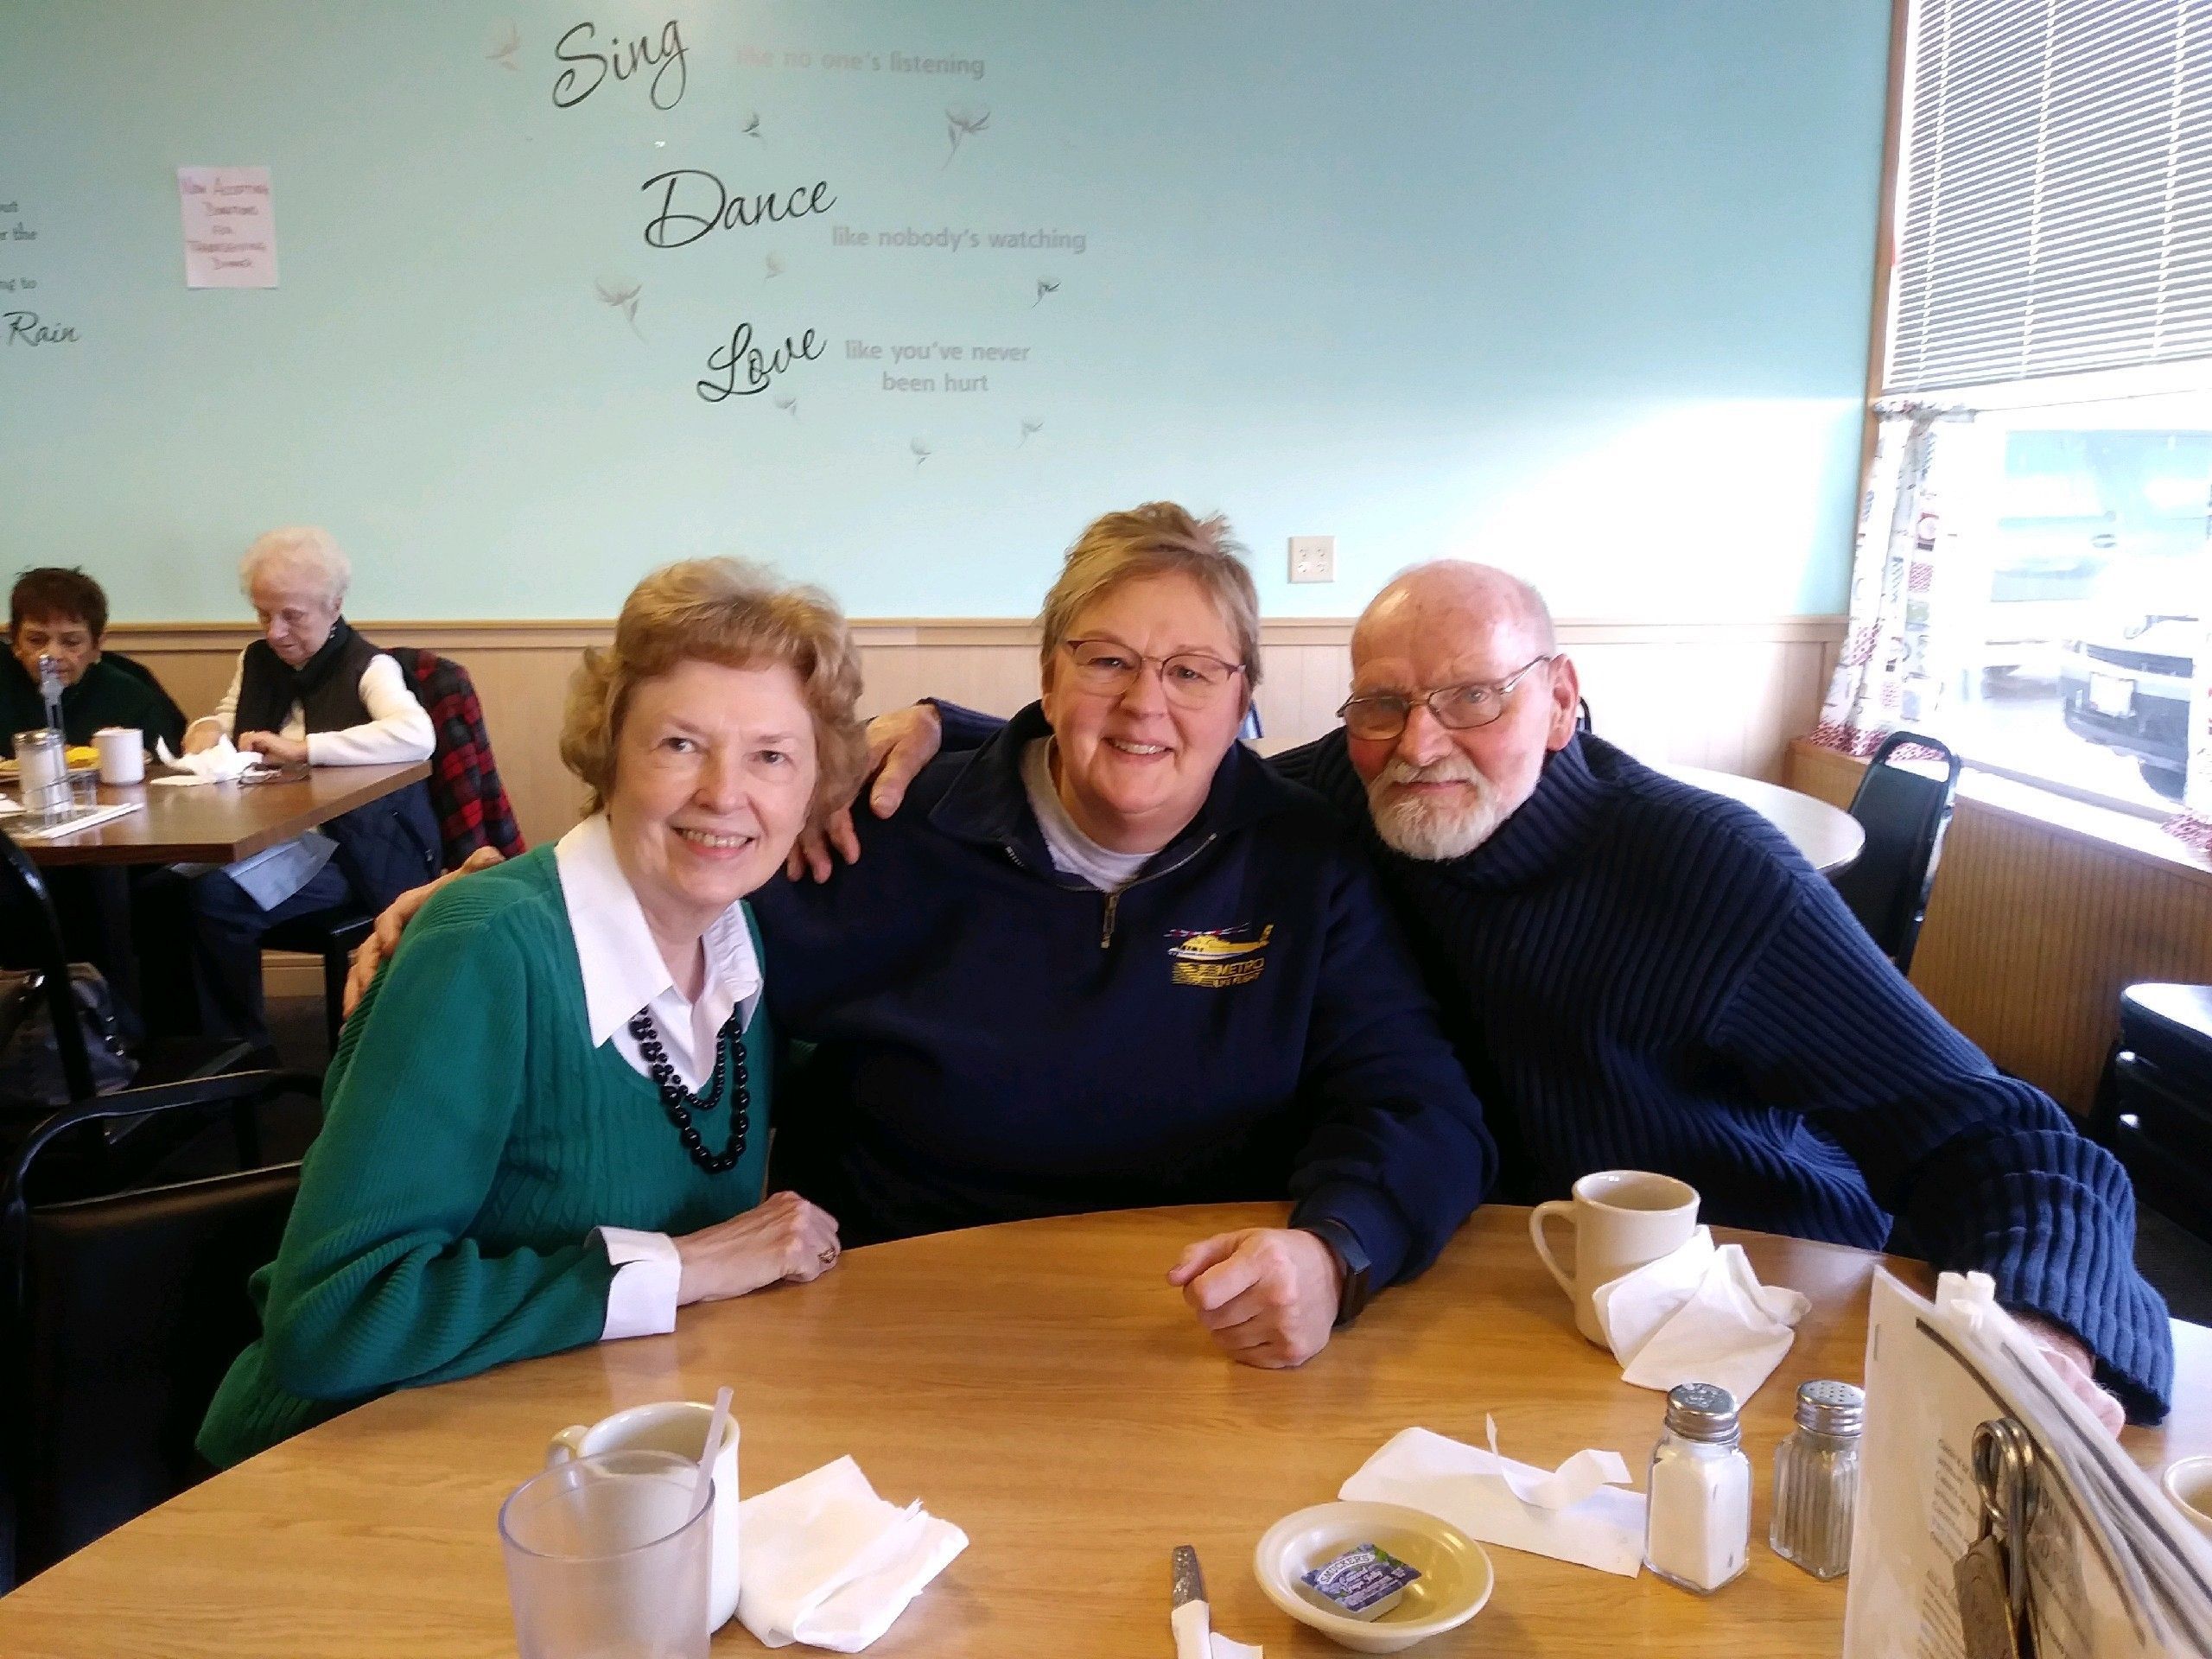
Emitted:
<point x="30" y="1053"/>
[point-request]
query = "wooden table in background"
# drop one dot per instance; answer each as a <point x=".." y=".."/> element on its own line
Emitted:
<point x="219" y="823"/>
<point x="1039" y="1385"/>
<point x="1830" y="838"/>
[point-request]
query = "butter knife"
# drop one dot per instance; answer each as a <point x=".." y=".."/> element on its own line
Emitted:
<point x="1186" y="1581"/>
<point x="1191" y="1620"/>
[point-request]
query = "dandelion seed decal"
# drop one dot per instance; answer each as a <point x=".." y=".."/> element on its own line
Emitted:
<point x="1044" y="286"/>
<point x="921" y="451"/>
<point x="963" y="124"/>
<point x="752" y="128"/>
<point x="775" y="266"/>
<point x="789" y="405"/>
<point x="622" y="294"/>
<point x="504" y="53"/>
<point x="1030" y="428"/>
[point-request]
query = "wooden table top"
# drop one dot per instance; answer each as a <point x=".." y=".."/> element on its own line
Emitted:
<point x="219" y="823"/>
<point x="1830" y="838"/>
<point x="1039" y="1385"/>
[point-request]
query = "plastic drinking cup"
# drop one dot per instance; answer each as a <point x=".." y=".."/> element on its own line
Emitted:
<point x="608" y="1557"/>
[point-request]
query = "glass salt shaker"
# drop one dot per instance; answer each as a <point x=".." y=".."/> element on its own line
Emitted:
<point x="1698" y="1513"/>
<point x="1816" y="1480"/>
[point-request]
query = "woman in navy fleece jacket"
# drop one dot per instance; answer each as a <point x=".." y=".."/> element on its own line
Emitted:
<point x="1111" y="960"/>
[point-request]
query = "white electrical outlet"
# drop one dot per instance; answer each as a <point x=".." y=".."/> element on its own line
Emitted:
<point x="1312" y="558"/>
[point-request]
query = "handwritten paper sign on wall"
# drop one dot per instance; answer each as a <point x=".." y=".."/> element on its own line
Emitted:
<point x="230" y="226"/>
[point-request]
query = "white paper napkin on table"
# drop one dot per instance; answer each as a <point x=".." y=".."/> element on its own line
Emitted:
<point x="1577" y="1512"/>
<point x="826" y="1561"/>
<point x="219" y="763"/>
<point x="1698" y="1315"/>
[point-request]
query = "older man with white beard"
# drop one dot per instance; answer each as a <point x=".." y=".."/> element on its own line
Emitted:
<point x="1645" y="975"/>
<point x="1640" y="974"/>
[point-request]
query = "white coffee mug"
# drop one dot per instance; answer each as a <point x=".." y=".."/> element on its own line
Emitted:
<point x="122" y="755"/>
<point x="1623" y="1219"/>
<point x="677" y="1426"/>
<point x="2188" y="1481"/>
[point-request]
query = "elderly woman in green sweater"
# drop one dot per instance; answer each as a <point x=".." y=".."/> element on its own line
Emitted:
<point x="548" y="1123"/>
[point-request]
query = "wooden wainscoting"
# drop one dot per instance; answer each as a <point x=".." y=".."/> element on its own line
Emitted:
<point x="1729" y="696"/>
<point x="2041" y="912"/>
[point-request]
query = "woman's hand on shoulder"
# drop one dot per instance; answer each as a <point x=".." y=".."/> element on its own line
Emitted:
<point x="783" y="1237"/>
<point x="383" y="939"/>
<point x="899" y="744"/>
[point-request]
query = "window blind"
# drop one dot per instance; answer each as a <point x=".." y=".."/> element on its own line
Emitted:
<point x="2056" y="215"/>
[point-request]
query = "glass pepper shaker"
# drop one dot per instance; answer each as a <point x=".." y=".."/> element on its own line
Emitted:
<point x="1816" y="1480"/>
<point x="1698" y="1511"/>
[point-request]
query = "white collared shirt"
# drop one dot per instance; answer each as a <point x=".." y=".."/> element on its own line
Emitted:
<point x="623" y="972"/>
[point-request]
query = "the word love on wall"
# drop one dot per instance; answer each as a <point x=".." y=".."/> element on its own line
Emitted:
<point x="762" y="199"/>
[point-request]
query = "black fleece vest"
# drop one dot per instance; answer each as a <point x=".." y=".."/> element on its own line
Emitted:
<point x="328" y="686"/>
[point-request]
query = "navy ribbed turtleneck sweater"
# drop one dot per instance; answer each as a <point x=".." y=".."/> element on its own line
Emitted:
<point x="1647" y="976"/>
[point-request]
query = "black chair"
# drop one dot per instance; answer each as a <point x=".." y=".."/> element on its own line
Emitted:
<point x="2154" y="1105"/>
<point x="125" y="1309"/>
<point x="30" y="939"/>
<point x="333" y="935"/>
<point x="1904" y="814"/>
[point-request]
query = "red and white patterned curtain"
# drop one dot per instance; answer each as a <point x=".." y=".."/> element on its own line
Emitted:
<point x="1890" y="579"/>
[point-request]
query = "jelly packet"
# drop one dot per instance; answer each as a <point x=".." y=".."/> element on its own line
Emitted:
<point x="1364" y="1582"/>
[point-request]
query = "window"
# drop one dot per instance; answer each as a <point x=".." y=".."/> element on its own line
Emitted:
<point x="2053" y="284"/>
<point x="2066" y="593"/>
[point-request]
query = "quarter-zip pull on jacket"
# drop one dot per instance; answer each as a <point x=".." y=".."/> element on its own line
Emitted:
<point x="996" y="1040"/>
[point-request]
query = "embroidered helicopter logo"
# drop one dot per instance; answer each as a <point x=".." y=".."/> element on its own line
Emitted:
<point x="1220" y="958"/>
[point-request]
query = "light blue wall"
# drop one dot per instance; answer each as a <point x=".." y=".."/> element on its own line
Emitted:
<point x="1581" y="285"/>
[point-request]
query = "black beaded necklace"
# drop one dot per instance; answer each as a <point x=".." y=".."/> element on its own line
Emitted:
<point x="679" y="1103"/>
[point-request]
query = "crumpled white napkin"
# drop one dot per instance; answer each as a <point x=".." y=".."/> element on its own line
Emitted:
<point x="827" y="1562"/>
<point x="1577" y="1512"/>
<point x="217" y="764"/>
<point x="1697" y="1314"/>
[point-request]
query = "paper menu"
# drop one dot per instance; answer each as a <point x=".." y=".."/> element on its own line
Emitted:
<point x="230" y="226"/>
<point x="2113" y="1571"/>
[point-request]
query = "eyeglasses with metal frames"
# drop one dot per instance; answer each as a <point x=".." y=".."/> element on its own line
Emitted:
<point x="1189" y="678"/>
<point x="1457" y="708"/>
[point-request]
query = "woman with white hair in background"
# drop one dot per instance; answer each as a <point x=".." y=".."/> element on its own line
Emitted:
<point x="309" y="692"/>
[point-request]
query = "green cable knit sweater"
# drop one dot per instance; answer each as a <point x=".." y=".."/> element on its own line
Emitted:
<point x="472" y="1140"/>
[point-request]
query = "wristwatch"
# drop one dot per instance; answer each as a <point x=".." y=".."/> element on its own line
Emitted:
<point x="1345" y="1246"/>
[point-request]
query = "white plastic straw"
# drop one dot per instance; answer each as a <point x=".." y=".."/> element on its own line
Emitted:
<point x="715" y="1429"/>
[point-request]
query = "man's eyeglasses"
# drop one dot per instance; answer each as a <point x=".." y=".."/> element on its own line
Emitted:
<point x="1109" y="668"/>
<point x="1460" y="707"/>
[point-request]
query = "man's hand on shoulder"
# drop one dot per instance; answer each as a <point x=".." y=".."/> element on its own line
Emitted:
<point x="899" y="744"/>
<point x="384" y="939"/>
<point x="1269" y="1295"/>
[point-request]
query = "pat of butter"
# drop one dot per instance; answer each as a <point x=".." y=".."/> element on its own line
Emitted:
<point x="1364" y="1582"/>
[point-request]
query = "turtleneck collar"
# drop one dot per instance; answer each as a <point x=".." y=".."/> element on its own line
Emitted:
<point x="1571" y="803"/>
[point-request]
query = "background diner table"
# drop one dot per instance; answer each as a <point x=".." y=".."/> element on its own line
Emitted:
<point x="1829" y="837"/>
<point x="217" y="823"/>
<point x="1039" y="1385"/>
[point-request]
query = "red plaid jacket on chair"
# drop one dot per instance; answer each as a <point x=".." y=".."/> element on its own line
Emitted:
<point x="465" y="791"/>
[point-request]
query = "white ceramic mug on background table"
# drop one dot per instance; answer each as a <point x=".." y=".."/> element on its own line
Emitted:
<point x="1622" y="1219"/>
<point x="122" y="755"/>
<point x="677" y="1426"/>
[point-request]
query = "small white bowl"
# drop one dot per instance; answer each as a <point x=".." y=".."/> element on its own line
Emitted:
<point x="1455" y="1575"/>
<point x="2188" y="1481"/>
